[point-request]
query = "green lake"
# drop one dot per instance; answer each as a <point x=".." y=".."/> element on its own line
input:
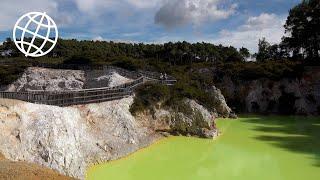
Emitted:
<point x="251" y="147"/>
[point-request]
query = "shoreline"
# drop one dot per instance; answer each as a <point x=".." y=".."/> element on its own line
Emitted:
<point x="141" y="150"/>
<point x="156" y="142"/>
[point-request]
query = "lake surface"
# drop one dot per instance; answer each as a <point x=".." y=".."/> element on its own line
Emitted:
<point x="249" y="148"/>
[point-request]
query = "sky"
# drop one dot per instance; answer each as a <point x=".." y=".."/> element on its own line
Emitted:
<point x="240" y="23"/>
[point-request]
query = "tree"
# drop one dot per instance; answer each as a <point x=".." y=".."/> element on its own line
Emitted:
<point x="263" y="53"/>
<point x="78" y="59"/>
<point x="8" y="44"/>
<point x="244" y="52"/>
<point x="303" y="26"/>
<point x="275" y="52"/>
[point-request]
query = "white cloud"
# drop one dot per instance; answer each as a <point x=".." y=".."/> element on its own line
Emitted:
<point x="265" y="25"/>
<point x="181" y="12"/>
<point x="11" y="10"/>
<point x="98" y="38"/>
<point x="247" y="35"/>
<point x="145" y="3"/>
<point x="132" y="34"/>
<point x="263" y="21"/>
<point x="167" y="38"/>
<point x="96" y="7"/>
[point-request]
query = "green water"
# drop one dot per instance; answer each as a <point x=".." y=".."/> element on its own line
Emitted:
<point x="250" y="148"/>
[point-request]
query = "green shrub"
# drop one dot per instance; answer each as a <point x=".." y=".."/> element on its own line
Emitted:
<point x="127" y="63"/>
<point x="10" y="73"/>
<point x="78" y="59"/>
<point x="149" y="95"/>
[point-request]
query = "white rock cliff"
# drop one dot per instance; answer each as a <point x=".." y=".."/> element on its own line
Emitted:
<point x="69" y="139"/>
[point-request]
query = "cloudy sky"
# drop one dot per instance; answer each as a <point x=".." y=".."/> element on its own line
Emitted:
<point x="228" y="22"/>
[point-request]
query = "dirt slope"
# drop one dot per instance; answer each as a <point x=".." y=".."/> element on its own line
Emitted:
<point x="21" y="170"/>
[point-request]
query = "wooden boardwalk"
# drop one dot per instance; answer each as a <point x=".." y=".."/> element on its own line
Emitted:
<point x="92" y="95"/>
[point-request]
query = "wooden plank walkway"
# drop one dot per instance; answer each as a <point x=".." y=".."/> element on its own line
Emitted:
<point x="93" y="95"/>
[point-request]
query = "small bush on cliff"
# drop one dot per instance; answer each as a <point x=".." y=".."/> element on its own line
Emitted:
<point x="10" y="73"/>
<point x="149" y="95"/>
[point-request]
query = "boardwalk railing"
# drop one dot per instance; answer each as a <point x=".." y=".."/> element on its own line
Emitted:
<point x="153" y="76"/>
<point x="85" y="96"/>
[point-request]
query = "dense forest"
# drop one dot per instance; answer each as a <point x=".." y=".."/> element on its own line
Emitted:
<point x="300" y="47"/>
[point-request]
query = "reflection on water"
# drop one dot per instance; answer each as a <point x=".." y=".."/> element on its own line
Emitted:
<point x="249" y="148"/>
<point x="296" y="134"/>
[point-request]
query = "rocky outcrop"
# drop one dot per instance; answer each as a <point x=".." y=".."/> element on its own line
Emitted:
<point x="114" y="79"/>
<point x="220" y="107"/>
<point x="190" y="118"/>
<point x="220" y="104"/>
<point x="57" y="80"/>
<point x="285" y="96"/>
<point x="69" y="139"/>
<point x="187" y="118"/>
<point x="48" y="80"/>
<point x="104" y="78"/>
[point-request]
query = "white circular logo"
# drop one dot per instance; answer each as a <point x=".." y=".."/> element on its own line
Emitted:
<point x="35" y="34"/>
